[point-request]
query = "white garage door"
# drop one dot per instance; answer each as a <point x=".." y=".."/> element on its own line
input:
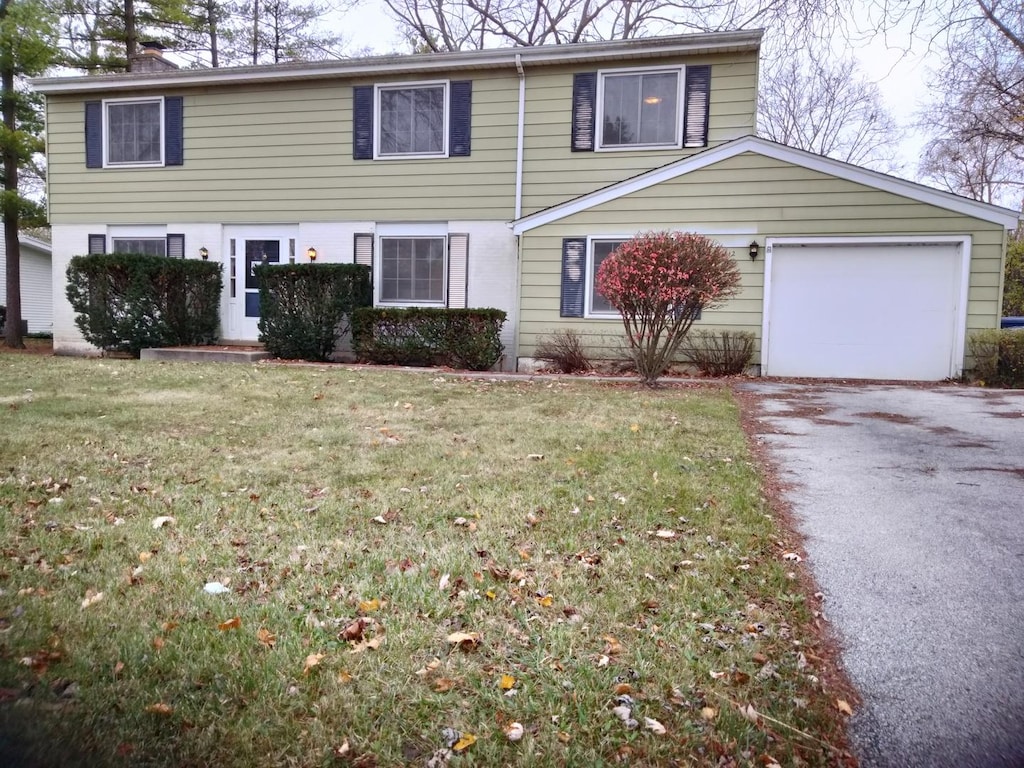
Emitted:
<point x="864" y="311"/>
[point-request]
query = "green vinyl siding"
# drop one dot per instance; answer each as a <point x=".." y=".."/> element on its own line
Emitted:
<point x="552" y="174"/>
<point x="770" y="197"/>
<point x="254" y="154"/>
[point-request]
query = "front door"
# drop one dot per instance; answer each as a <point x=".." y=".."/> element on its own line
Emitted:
<point x="247" y="253"/>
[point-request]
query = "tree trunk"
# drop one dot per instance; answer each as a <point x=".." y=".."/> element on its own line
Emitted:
<point x="131" y="34"/>
<point x="12" y="335"/>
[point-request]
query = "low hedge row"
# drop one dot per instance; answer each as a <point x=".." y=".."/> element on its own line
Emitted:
<point x="458" y="338"/>
<point x="126" y="302"/>
<point x="305" y="308"/>
<point x="999" y="357"/>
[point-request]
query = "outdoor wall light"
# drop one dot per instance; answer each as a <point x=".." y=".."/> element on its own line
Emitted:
<point x="311" y="253"/>
<point x="754" y="248"/>
<point x="204" y="253"/>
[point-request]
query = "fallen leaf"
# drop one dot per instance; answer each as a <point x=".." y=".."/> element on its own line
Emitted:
<point x="168" y="626"/>
<point x="266" y="637"/>
<point x="514" y="731"/>
<point x="622" y="712"/>
<point x="344" y="677"/>
<point x="160" y="709"/>
<point x="792" y="556"/>
<point x="535" y="456"/>
<point x="749" y="713"/>
<point x="708" y="713"/>
<point x="665" y="533"/>
<point x="91" y="598"/>
<point x="843" y="707"/>
<point x="342" y="750"/>
<point x="369" y="606"/>
<point x="464" y="743"/>
<point x="379" y="520"/>
<point x="443" y="684"/>
<point x="158" y="643"/>
<point x="311" y="661"/>
<point x="118" y="668"/>
<point x="145" y="556"/>
<point x="623" y="689"/>
<point x="612" y="646"/>
<point x="490" y="594"/>
<point x="160" y="522"/>
<point x="546" y="602"/>
<point x="634" y="427"/>
<point x="353" y="632"/>
<point x="654" y="726"/>
<point x="507" y="681"/>
<point x="442" y="585"/>
<point x="372" y="644"/>
<point x="234" y="623"/>
<point x="467" y="641"/>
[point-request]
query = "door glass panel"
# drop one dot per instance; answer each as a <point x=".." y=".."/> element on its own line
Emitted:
<point x="257" y="252"/>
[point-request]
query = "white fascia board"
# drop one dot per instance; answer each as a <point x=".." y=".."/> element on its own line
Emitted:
<point x="679" y="45"/>
<point x="39" y="245"/>
<point x="985" y="211"/>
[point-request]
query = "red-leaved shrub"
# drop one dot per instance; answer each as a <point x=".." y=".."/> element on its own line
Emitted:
<point x="660" y="282"/>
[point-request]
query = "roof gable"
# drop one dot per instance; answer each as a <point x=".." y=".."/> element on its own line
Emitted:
<point x="918" y="192"/>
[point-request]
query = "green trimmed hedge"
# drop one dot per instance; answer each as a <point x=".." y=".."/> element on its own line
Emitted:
<point x="127" y="302"/>
<point x="305" y="308"/>
<point x="999" y="357"/>
<point x="458" y="338"/>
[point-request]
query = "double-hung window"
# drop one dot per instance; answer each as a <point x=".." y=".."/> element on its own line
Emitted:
<point x="412" y="120"/>
<point x="141" y="132"/>
<point x="413" y="270"/>
<point x="150" y="246"/>
<point x="134" y="132"/>
<point x="598" y="250"/>
<point x="640" y="109"/>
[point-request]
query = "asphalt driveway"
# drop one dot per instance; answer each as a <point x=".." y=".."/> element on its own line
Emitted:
<point x="911" y="501"/>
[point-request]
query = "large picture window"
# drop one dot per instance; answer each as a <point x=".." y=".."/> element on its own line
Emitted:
<point x="598" y="305"/>
<point x="412" y="270"/>
<point x="134" y="132"/>
<point x="639" y="109"/>
<point x="412" y="120"/>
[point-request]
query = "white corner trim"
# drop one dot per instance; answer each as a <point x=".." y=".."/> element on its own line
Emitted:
<point x="984" y="211"/>
<point x="956" y="362"/>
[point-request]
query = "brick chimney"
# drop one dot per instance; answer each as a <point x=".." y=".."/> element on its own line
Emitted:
<point x="151" y="59"/>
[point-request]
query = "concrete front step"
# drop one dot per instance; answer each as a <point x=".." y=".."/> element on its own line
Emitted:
<point x="218" y="354"/>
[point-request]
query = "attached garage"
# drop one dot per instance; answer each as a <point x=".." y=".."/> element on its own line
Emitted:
<point x="859" y="308"/>
<point x="854" y="275"/>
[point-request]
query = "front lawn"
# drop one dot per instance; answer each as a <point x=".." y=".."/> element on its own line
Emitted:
<point x="416" y="568"/>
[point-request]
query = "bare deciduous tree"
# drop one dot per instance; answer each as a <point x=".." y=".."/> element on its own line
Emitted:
<point x="827" y="107"/>
<point x="440" y="25"/>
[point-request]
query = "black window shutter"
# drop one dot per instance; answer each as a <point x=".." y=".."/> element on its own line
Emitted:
<point x="174" y="124"/>
<point x="696" y="106"/>
<point x="176" y="246"/>
<point x="362" y="122"/>
<point x="97" y="244"/>
<point x="93" y="134"/>
<point x="574" y="270"/>
<point x="460" y="114"/>
<point x="584" y="107"/>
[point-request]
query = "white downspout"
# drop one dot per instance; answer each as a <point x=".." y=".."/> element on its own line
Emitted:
<point x="519" y="135"/>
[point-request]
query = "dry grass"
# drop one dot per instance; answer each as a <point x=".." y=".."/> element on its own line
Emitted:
<point x="599" y="541"/>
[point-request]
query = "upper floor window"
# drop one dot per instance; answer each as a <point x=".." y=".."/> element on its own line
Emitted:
<point x="134" y="132"/>
<point x="639" y="109"/>
<point x="623" y="109"/>
<point x="412" y="120"/>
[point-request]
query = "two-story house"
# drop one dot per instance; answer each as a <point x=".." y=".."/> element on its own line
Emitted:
<point x="502" y="178"/>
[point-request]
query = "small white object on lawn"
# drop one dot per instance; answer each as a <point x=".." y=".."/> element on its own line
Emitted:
<point x="215" y="588"/>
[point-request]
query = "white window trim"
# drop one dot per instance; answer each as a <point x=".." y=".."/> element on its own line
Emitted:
<point x="401" y="232"/>
<point x="377" y="121"/>
<point x="599" y="112"/>
<point x="163" y="133"/>
<point x="588" y="293"/>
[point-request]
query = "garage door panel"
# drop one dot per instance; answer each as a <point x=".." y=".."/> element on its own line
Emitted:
<point x="863" y="311"/>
